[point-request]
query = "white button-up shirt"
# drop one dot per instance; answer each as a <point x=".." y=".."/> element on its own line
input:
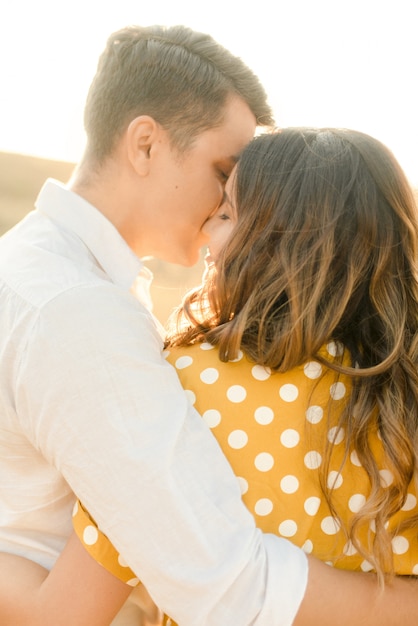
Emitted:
<point x="89" y="406"/>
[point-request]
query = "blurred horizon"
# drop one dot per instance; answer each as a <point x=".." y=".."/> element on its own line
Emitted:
<point x="21" y="179"/>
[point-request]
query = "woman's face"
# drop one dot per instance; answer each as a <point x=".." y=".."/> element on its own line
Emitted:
<point x="220" y="225"/>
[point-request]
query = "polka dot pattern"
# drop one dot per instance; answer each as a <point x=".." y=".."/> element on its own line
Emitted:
<point x="100" y="548"/>
<point x="356" y="502"/>
<point x="337" y="391"/>
<point x="312" y="460"/>
<point x="273" y="428"/>
<point x="236" y="393"/>
<point x="311" y="505"/>
<point x="209" y="376"/>
<point x="183" y="361"/>
<point x="400" y="545"/>
<point x="312" y="370"/>
<point x="288" y="528"/>
<point x="263" y="507"/>
<point x="289" y="438"/>
<point x="261" y="373"/>
<point x="90" y="535"/>
<point x="314" y="414"/>
<point x="289" y="484"/>
<point x="212" y="417"/>
<point x="237" y="439"/>
<point x="335" y="480"/>
<point x="288" y="392"/>
<point x="410" y="503"/>
<point x="264" y="461"/>
<point x="264" y="415"/>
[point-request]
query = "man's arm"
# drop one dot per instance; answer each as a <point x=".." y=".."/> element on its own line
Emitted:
<point x="96" y="397"/>
<point x="355" y="599"/>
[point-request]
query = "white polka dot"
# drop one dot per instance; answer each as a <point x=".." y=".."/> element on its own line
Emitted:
<point x="263" y="506"/>
<point x="372" y="525"/>
<point x="366" y="566"/>
<point x="209" y="376"/>
<point x="133" y="582"/>
<point x="289" y="484"/>
<point x="261" y="373"/>
<point x="386" y="477"/>
<point x="236" y="393"/>
<point x="330" y="525"/>
<point x="400" y="544"/>
<point x="289" y="438"/>
<point x="314" y="414"/>
<point x="238" y="439"/>
<point x="264" y="461"/>
<point x="75" y="508"/>
<point x="183" y="361"/>
<point x="337" y="391"/>
<point x="206" y="346"/>
<point x="336" y="435"/>
<point x="410" y="502"/>
<point x="239" y="356"/>
<point x="335" y="480"/>
<point x="122" y="561"/>
<point x="335" y="348"/>
<point x="349" y="549"/>
<point x="90" y="535"/>
<point x="311" y="505"/>
<point x="190" y="396"/>
<point x="356" y="502"/>
<point x="307" y="546"/>
<point x="312" y="370"/>
<point x="288" y="392"/>
<point x="243" y="484"/>
<point x="212" y="417"/>
<point x="264" y="415"/>
<point x="288" y="528"/>
<point x="415" y="570"/>
<point x="354" y="459"/>
<point x="166" y="353"/>
<point x="312" y="459"/>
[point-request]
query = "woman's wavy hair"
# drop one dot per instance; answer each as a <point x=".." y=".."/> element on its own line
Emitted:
<point x="325" y="248"/>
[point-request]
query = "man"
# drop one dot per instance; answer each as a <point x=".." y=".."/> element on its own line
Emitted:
<point x="88" y="404"/>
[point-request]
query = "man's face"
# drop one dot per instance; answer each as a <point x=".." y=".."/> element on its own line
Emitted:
<point x="188" y="188"/>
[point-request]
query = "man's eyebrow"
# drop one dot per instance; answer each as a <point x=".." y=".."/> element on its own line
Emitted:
<point x="231" y="159"/>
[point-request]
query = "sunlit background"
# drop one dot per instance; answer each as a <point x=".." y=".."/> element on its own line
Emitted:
<point x="323" y="62"/>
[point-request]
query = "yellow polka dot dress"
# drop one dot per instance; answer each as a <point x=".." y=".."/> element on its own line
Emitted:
<point x="272" y="427"/>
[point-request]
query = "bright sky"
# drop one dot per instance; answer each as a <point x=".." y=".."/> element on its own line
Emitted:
<point x="349" y="63"/>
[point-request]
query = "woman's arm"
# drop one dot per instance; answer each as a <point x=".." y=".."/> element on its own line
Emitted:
<point x="79" y="591"/>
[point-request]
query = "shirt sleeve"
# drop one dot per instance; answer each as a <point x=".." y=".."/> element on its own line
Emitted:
<point x="98" y="400"/>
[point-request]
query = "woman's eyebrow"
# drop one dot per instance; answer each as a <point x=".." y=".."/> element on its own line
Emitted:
<point x="227" y="200"/>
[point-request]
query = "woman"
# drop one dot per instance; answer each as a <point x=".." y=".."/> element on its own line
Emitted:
<point x="300" y="350"/>
<point x="318" y="287"/>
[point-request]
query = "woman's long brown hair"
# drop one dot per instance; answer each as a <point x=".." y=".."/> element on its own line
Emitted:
<point x="326" y="249"/>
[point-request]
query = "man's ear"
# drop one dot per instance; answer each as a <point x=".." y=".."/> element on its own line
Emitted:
<point x="140" y="135"/>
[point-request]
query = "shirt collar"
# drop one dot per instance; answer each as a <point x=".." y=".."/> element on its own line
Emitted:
<point x="99" y="235"/>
